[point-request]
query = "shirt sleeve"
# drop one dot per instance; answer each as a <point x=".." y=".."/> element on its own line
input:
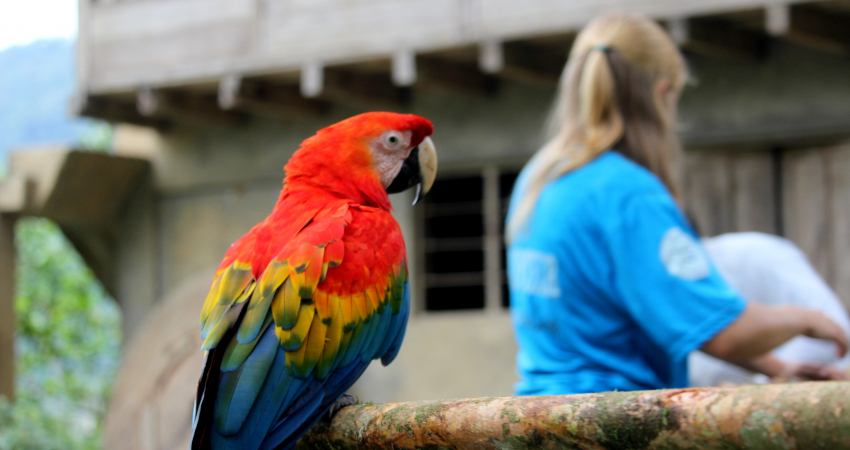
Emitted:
<point x="664" y="277"/>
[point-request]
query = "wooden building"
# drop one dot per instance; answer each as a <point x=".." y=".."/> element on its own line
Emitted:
<point x="219" y="93"/>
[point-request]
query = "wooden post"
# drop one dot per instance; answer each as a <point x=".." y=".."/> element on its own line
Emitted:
<point x="7" y="306"/>
<point x="789" y="416"/>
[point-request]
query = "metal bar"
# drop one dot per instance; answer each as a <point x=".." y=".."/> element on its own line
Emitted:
<point x="492" y="241"/>
<point x="790" y="416"/>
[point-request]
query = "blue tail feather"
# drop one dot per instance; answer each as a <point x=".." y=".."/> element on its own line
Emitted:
<point x="307" y="411"/>
<point x="264" y="409"/>
<point x="333" y="390"/>
<point x="379" y="336"/>
<point x="240" y="388"/>
<point x="388" y="356"/>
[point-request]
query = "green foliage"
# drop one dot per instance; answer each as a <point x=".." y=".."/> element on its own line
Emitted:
<point x="68" y="329"/>
<point x="97" y="137"/>
<point x="68" y="342"/>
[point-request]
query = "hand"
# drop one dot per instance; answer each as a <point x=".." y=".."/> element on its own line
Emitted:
<point x="809" y="372"/>
<point x="822" y="327"/>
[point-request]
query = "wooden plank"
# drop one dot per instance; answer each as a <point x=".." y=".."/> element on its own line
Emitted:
<point x="7" y="306"/>
<point x="144" y="19"/>
<point x="806" y="208"/>
<point x="342" y="29"/>
<point x="706" y="189"/>
<point x="508" y="18"/>
<point x="215" y="47"/>
<point x="753" y="191"/>
<point x="171" y="42"/>
<point x="729" y="191"/>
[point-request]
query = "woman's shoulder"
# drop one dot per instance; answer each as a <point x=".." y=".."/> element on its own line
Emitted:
<point x="610" y="175"/>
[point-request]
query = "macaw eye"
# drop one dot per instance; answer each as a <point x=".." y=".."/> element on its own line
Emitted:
<point x="392" y="140"/>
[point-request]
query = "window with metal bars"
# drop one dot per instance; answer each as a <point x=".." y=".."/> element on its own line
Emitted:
<point x="464" y="249"/>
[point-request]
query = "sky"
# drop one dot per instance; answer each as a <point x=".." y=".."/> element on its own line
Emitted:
<point x="25" y="21"/>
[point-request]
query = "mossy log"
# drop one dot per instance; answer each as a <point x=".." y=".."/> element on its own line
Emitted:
<point x="780" y="416"/>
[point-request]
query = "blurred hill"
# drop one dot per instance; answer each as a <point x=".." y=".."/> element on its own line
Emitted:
<point x="36" y="84"/>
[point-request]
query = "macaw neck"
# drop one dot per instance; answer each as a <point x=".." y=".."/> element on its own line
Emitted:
<point x="355" y="189"/>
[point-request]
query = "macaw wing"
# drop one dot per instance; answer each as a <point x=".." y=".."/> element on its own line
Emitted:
<point x="333" y="299"/>
<point x="236" y="277"/>
<point x="233" y="286"/>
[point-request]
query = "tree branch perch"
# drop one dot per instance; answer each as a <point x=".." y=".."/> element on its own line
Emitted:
<point x="779" y="416"/>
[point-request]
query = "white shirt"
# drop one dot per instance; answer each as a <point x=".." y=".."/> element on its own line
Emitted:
<point x="772" y="271"/>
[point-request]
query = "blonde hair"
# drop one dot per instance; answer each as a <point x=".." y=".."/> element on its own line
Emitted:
<point x="609" y="97"/>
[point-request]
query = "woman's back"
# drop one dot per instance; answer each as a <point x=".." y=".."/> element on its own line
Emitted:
<point x="596" y="278"/>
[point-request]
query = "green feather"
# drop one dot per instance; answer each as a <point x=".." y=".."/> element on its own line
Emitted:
<point x="237" y="352"/>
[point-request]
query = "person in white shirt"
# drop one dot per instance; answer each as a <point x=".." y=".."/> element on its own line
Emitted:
<point x="772" y="271"/>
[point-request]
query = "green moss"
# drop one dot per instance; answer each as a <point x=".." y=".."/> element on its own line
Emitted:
<point x="510" y="414"/>
<point x="757" y="433"/>
<point x="425" y="411"/>
<point x="626" y="424"/>
<point x="397" y="419"/>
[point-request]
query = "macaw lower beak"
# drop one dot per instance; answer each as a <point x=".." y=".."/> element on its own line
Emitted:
<point x="419" y="169"/>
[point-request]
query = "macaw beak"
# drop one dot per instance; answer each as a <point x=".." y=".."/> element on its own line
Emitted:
<point x="419" y="169"/>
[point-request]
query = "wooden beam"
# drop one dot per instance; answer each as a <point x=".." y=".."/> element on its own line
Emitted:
<point x="266" y="98"/>
<point x="718" y="38"/>
<point x="491" y="56"/>
<point x="228" y="91"/>
<point x="363" y="89"/>
<point x="7" y="309"/>
<point x="777" y="19"/>
<point x="464" y="78"/>
<point x="118" y="109"/>
<point x="183" y="106"/>
<point x="814" y="26"/>
<point x="205" y="40"/>
<point x="534" y="63"/>
<point x="312" y="79"/>
<point x="404" y="68"/>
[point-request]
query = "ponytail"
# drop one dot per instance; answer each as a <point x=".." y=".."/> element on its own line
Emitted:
<point x="598" y="108"/>
<point x="607" y="97"/>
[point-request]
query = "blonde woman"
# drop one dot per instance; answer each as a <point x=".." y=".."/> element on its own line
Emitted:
<point x="610" y="288"/>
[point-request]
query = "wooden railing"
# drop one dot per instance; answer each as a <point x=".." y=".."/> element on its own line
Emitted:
<point x="790" y="416"/>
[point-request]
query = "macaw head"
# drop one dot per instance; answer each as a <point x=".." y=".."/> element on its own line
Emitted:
<point x="368" y="156"/>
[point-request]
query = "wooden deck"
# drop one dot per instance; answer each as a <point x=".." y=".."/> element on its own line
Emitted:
<point x="139" y="61"/>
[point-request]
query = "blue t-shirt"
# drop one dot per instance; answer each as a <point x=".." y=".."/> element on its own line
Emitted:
<point x="610" y="288"/>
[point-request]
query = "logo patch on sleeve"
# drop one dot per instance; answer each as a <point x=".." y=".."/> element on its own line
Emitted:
<point x="534" y="272"/>
<point x="682" y="255"/>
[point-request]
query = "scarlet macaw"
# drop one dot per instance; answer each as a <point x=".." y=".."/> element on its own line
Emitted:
<point x="304" y="301"/>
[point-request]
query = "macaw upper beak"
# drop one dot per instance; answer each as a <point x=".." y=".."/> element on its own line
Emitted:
<point x="419" y="169"/>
